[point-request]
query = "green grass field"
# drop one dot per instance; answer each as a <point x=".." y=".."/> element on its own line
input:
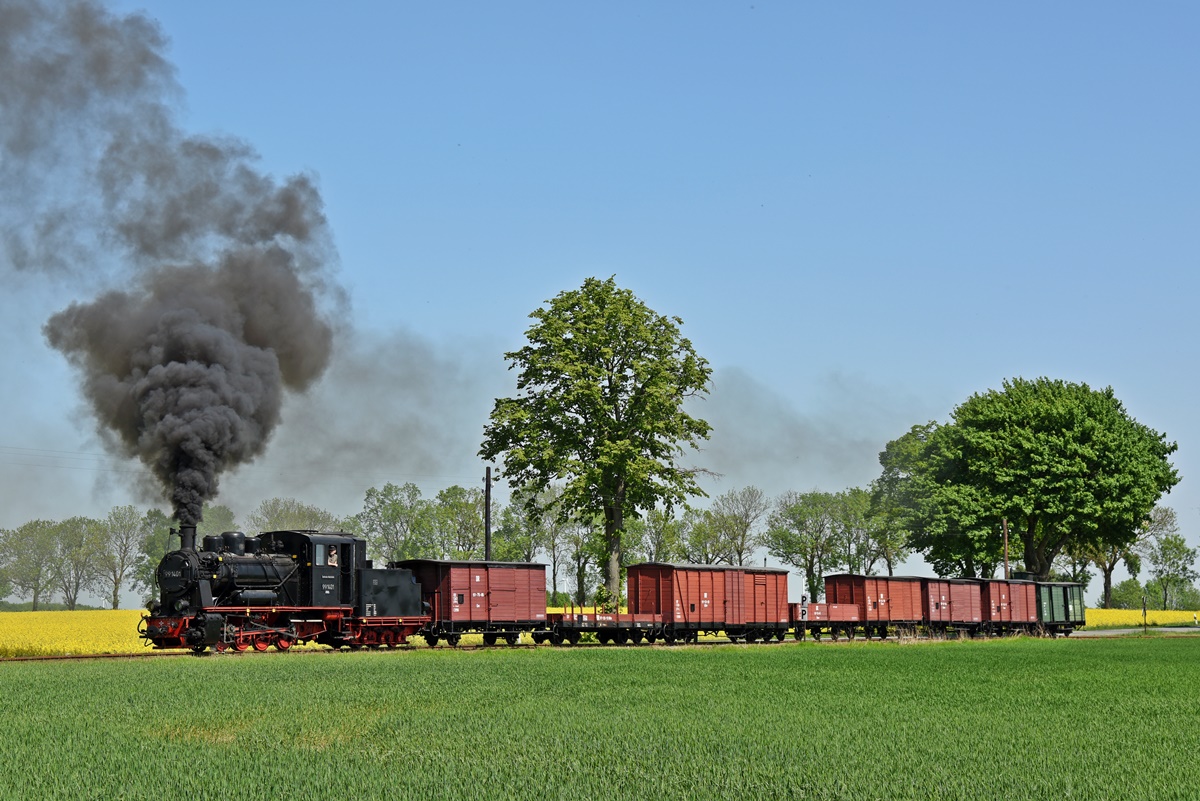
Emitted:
<point x="1012" y="719"/>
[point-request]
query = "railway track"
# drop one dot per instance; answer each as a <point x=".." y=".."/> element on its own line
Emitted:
<point x="406" y="647"/>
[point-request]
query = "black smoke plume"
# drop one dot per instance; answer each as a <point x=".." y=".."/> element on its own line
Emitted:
<point x="226" y="297"/>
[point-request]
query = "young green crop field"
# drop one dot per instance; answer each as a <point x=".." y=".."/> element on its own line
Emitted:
<point x="1012" y="719"/>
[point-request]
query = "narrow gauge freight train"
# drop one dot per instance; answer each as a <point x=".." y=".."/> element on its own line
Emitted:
<point x="906" y="606"/>
<point x="282" y="587"/>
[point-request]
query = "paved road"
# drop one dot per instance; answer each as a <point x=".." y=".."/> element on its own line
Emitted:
<point x="1138" y="630"/>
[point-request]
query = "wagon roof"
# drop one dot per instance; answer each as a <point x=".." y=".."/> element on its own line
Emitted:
<point x="683" y="566"/>
<point x="468" y="563"/>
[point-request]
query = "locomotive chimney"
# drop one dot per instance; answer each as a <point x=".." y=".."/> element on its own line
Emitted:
<point x="187" y="537"/>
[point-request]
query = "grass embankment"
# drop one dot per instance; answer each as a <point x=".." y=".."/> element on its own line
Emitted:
<point x="1014" y="719"/>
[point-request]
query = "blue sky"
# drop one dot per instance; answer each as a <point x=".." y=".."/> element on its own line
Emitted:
<point x="863" y="214"/>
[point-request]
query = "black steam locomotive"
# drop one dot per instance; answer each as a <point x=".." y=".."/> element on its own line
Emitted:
<point x="238" y="592"/>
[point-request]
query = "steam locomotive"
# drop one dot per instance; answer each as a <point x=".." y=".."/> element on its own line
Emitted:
<point x="277" y="589"/>
<point x="283" y="587"/>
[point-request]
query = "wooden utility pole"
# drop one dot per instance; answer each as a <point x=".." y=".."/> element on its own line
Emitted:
<point x="1004" y="522"/>
<point x="487" y="513"/>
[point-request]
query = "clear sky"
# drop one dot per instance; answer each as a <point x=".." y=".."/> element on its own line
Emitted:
<point x="863" y="214"/>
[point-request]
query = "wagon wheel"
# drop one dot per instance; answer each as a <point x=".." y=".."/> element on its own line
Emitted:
<point x="850" y="632"/>
<point x="556" y="638"/>
<point x="750" y="636"/>
<point x="431" y="640"/>
<point x="452" y="640"/>
<point x="816" y="633"/>
<point x="511" y="639"/>
<point x="604" y="637"/>
<point x="669" y="637"/>
<point x="621" y="637"/>
<point x="489" y="639"/>
<point x="779" y="635"/>
<point x="798" y="634"/>
<point x="652" y="638"/>
<point x="637" y="637"/>
<point x="284" y="642"/>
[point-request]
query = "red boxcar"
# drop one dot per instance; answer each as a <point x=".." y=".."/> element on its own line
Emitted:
<point x="741" y="601"/>
<point x="882" y="601"/>
<point x="500" y="599"/>
<point x="1008" y="606"/>
<point x="952" y="604"/>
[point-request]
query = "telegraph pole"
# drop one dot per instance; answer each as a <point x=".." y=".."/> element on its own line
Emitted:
<point x="487" y="513"/>
<point x="1004" y="521"/>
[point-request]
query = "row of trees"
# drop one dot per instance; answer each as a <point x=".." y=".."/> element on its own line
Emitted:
<point x="44" y="559"/>
<point x="815" y="532"/>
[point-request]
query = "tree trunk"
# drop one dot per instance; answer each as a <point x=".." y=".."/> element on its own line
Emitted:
<point x="116" y="596"/>
<point x="1108" y="586"/>
<point x="614" y="525"/>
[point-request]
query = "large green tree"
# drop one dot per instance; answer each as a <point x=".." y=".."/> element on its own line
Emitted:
<point x="123" y="532"/>
<point x="79" y="543"/>
<point x="656" y="536"/>
<point x="396" y="522"/>
<point x="1064" y="464"/>
<point x="458" y="522"/>
<point x="30" y="556"/>
<point x="802" y="531"/>
<point x="285" y="514"/>
<point x="1172" y="567"/>
<point x="736" y="515"/>
<point x="599" y="406"/>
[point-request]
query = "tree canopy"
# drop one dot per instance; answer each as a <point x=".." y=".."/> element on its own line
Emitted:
<point x="599" y="406"/>
<point x="1064" y="464"/>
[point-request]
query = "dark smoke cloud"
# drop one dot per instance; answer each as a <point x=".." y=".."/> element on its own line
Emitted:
<point x="228" y="301"/>
<point x="762" y="437"/>
<point x="393" y="407"/>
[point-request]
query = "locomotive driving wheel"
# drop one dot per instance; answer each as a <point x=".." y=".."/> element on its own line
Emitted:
<point x="284" y="642"/>
<point x="261" y="642"/>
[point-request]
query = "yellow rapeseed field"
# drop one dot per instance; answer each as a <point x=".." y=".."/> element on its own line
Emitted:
<point x="104" y="631"/>
<point x="1119" y="618"/>
<point x="115" y="632"/>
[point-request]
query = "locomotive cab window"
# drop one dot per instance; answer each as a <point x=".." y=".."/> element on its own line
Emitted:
<point x="319" y="556"/>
